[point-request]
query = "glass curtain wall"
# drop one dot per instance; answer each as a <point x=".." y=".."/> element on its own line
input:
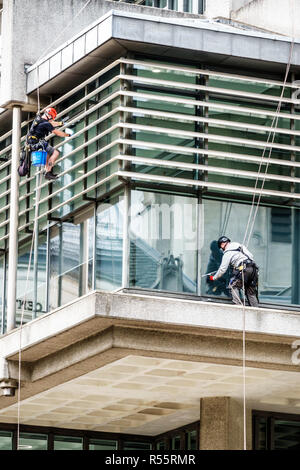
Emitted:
<point x="163" y="242"/>
<point x="109" y="243"/>
<point x="193" y="145"/>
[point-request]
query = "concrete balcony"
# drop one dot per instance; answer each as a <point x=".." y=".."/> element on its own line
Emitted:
<point x="137" y="352"/>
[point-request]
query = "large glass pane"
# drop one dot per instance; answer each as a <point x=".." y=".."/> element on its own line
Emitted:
<point x="271" y="237"/>
<point x="286" y="435"/>
<point x="5" y="440"/>
<point x="109" y="244"/>
<point x="67" y="443"/>
<point x="26" y="287"/>
<point x="102" y="444"/>
<point x="30" y="441"/>
<point x="163" y="241"/>
<point x="137" y="445"/>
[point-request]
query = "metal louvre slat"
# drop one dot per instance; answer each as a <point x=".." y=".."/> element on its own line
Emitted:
<point x="210" y="104"/>
<point x="207" y="72"/>
<point x="208" y="89"/>
<point x="206" y="184"/>
<point x="213" y="137"/>
<point x="218" y="122"/>
<point x="213" y="153"/>
<point x="178" y="117"/>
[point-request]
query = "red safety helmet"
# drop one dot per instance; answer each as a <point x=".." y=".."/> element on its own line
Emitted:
<point x="51" y="113"/>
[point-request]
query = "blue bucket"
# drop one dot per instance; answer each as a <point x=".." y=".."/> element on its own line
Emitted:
<point x="39" y="158"/>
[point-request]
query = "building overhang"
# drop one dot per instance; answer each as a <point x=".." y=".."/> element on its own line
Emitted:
<point x="149" y="359"/>
<point x="198" y="40"/>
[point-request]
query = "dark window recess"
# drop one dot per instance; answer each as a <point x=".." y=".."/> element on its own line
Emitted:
<point x="281" y="225"/>
<point x="275" y="431"/>
<point x="201" y="6"/>
<point x="41" y="438"/>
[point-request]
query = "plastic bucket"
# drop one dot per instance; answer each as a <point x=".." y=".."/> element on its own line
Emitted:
<point x="39" y="158"/>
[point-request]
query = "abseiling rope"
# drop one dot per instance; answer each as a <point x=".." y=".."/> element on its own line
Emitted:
<point x="247" y="236"/>
<point x="38" y="191"/>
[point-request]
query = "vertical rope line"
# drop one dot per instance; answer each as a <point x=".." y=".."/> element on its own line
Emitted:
<point x="244" y="364"/>
<point x="274" y="125"/>
<point x="38" y="191"/>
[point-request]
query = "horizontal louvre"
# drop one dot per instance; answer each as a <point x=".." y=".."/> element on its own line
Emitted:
<point x="166" y="124"/>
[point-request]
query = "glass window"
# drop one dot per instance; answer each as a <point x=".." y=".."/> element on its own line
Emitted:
<point x="191" y="437"/>
<point x="5" y="440"/>
<point x="274" y="258"/>
<point x="161" y="445"/>
<point x="66" y="263"/>
<point x="163" y="241"/>
<point x="176" y="443"/>
<point x="286" y="435"/>
<point x="109" y="244"/>
<point x="102" y="444"/>
<point x="137" y="445"/>
<point x="68" y="443"/>
<point x="30" y="441"/>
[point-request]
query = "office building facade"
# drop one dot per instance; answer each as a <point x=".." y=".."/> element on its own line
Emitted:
<point x="183" y="129"/>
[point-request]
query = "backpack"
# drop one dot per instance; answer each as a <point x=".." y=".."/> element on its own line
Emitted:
<point x="24" y="166"/>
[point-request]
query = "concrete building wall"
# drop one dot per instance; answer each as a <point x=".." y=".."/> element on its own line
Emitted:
<point x="31" y="33"/>
<point x="274" y="15"/>
<point x="218" y="8"/>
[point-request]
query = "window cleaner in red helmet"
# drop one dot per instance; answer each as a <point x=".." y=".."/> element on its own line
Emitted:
<point x="42" y="126"/>
<point x="244" y="270"/>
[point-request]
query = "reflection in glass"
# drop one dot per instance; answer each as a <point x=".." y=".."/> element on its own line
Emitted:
<point x="25" y="281"/>
<point x="286" y="435"/>
<point x="270" y="245"/>
<point x="109" y="245"/>
<point x="137" y="445"/>
<point x="102" y="444"/>
<point x="163" y="241"/>
<point x="5" y="440"/>
<point x="67" y="443"/>
<point x="30" y="441"/>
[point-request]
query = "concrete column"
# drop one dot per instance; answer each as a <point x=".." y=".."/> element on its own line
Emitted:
<point x="13" y="224"/>
<point x="222" y="424"/>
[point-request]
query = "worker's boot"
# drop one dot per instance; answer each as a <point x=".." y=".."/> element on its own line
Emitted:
<point x="50" y="175"/>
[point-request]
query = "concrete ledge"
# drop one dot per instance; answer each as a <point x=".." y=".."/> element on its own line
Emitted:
<point x="194" y="38"/>
<point x="100" y="328"/>
<point x="98" y="311"/>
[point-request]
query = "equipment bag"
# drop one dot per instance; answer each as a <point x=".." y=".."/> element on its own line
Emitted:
<point x="24" y="166"/>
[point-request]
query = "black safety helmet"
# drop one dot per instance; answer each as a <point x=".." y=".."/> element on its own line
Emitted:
<point x="223" y="239"/>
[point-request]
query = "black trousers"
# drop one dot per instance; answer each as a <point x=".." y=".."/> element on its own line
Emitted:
<point x="249" y="274"/>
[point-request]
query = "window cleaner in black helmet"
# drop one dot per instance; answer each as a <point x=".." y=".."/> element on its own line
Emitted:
<point x="244" y="268"/>
<point x="42" y="126"/>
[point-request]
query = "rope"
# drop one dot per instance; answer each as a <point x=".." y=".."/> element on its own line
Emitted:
<point x="23" y="308"/>
<point x="38" y="191"/>
<point x="248" y="235"/>
<point x="274" y="125"/>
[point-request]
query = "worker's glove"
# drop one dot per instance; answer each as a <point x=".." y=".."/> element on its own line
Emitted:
<point x="211" y="278"/>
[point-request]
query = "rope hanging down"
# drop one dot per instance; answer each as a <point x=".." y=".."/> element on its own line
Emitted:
<point x="249" y="228"/>
<point x="38" y="190"/>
